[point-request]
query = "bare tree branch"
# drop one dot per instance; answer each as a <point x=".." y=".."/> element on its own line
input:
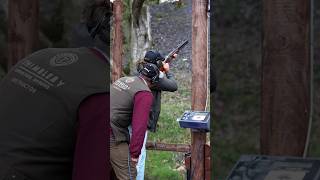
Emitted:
<point x="136" y="11"/>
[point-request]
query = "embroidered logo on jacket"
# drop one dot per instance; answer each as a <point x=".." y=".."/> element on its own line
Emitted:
<point x="63" y="59"/>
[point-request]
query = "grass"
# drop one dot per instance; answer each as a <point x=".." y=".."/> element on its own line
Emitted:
<point x="164" y="165"/>
<point x="170" y="165"/>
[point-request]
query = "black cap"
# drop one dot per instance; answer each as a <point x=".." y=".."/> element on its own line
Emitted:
<point x="151" y="71"/>
<point x="153" y="57"/>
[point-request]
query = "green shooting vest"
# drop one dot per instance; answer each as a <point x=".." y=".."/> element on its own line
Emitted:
<point x="122" y="94"/>
<point x="39" y="101"/>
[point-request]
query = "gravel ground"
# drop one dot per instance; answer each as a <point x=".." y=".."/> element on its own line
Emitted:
<point x="170" y="26"/>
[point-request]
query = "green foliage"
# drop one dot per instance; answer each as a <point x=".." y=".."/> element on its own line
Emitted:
<point x="164" y="165"/>
<point x="127" y="69"/>
<point x="159" y="16"/>
<point x="126" y="28"/>
<point x="161" y="165"/>
<point x="180" y="4"/>
<point x="168" y="128"/>
<point x="153" y="2"/>
<point x="237" y="61"/>
<point x="127" y="10"/>
<point x="237" y="64"/>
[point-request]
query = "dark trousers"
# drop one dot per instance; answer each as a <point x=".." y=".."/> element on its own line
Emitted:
<point x="120" y="161"/>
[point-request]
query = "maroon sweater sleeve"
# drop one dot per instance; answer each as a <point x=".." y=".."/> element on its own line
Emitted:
<point x="141" y="108"/>
<point x="90" y="158"/>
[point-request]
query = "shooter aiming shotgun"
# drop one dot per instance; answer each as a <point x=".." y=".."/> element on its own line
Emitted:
<point x="166" y="83"/>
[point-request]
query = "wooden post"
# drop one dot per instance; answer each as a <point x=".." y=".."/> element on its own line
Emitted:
<point x="199" y="82"/>
<point x="285" y="77"/>
<point x="117" y="47"/>
<point x="207" y="162"/>
<point x="23" y="29"/>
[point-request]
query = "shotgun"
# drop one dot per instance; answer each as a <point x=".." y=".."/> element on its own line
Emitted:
<point x="170" y="56"/>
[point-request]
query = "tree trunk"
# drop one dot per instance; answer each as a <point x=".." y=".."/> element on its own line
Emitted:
<point x="23" y="29"/>
<point x="141" y="31"/>
<point x="117" y="48"/>
<point x="285" y="77"/>
<point x="136" y="12"/>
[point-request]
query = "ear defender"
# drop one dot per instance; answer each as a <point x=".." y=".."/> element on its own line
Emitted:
<point x="151" y="71"/>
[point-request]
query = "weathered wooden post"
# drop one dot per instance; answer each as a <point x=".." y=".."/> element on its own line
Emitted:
<point x="117" y="47"/>
<point x="285" y="77"/>
<point x="23" y="29"/>
<point x="199" y="82"/>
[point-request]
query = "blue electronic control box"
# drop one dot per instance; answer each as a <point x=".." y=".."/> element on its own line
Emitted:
<point x="199" y="120"/>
